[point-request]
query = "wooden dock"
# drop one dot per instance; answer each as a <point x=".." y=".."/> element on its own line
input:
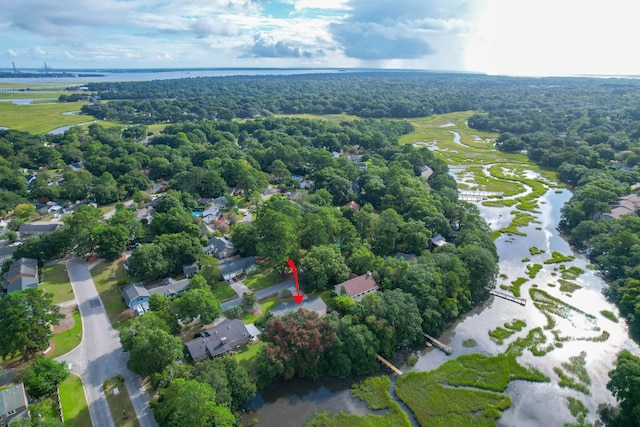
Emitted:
<point x="503" y="295"/>
<point x="448" y="350"/>
<point x="389" y="365"/>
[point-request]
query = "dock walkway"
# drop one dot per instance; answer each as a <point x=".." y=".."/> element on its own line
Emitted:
<point x="517" y="300"/>
<point x="389" y="364"/>
<point x="448" y="350"/>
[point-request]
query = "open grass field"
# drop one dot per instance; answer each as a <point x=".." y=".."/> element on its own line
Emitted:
<point x="106" y="276"/>
<point x="40" y="118"/>
<point x="255" y="282"/>
<point x="374" y="392"/>
<point x="463" y="391"/>
<point x="67" y="340"/>
<point x="120" y="404"/>
<point x="74" y="403"/>
<point x="56" y="282"/>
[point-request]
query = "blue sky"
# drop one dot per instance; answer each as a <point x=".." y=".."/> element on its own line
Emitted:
<point x="522" y="37"/>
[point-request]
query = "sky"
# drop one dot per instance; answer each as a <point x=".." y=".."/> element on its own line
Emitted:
<point x="513" y="37"/>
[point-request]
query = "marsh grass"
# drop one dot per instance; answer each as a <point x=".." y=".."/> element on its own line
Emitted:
<point x="532" y="270"/>
<point x="567" y="286"/>
<point x="515" y="286"/>
<point x="573" y="374"/>
<point x="500" y="334"/>
<point x="463" y="391"/>
<point x="557" y="257"/>
<point x="533" y="250"/>
<point x="469" y="343"/>
<point x="609" y="315"/>
<point x="40" y="118"/>
<point x="374" y="392"/>
<point x="571" y="273"/>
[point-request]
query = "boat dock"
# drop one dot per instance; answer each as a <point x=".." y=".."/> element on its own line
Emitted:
<point x="503" y="295"/>
<point x="389" y="364"/>
<point x="448" y="350"/>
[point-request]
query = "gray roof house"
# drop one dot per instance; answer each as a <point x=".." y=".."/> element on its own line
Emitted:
<point x="211" y="213"/>
<point x="22" y="274"/>
<point x="6" y="252"/>
<point x="171" y="288"/>
<point x="238" y="267"/>
<point x="220" y="248"/>
<point x="436" y="241"/>
<point x="35" y="228"/>
<point x="315" y="304"/>
<point x="214" y="342"/>
<point x="189" y="270"/>
<point x="13" y="404"/>
<point x="136" y="296"/>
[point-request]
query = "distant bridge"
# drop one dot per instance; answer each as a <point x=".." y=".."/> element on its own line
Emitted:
<point x="517" y="300"/>
<point x="477" y="196"/>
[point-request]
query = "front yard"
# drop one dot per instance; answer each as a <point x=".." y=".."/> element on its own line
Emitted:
<point x="56" y="282"/>
<point x="259" y="281"/>
<point x="74" y="403"/>
<point x="107" y="276"/>
<point x="68" y="338"/>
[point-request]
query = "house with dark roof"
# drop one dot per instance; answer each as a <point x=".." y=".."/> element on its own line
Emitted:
<point x="315" y="304"/>
<point x="357" y="287"/>
<point x="170" y="287"/>
<point x="189" y="270"/>
<point x="217" y="341"/>
<point x="238" y="267"/>
<point x="29" y="229"/>
<point x="22" y="274"/>
<point x="136" y="296"/>
<point x="220" y="248"/>
<point x="13" y="404"/>
<point x="6" y="252"/>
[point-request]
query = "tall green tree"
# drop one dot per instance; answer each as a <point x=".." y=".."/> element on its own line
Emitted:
<point x="153" y="349"/>
<point x="323" y="266"/>
<point x="197" y="302"/>
<point x="44" y="376"/>
<point x="25" y="322"/>
<point x="191" y="403"/>
<point x="148" y="262"/>
<point x="110" y="241"/>
<point x="625" y="385"/>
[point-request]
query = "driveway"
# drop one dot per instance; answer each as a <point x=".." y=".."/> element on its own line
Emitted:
<point x="263" y="293"/>
<point x="100" y="355"/>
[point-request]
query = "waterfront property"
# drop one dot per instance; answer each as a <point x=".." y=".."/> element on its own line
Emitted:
<point x="218" y="341"/>
<point x="315" y="304"/>
<point x="357" y="287"/>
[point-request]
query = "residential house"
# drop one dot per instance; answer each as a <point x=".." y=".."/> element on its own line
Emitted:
<point x="315" y="304"/>
<point x="625" y="205"/>
<point x="436" y="241"/>
<point x="217" y="341"/>
<point x="3" y="227"/>
<point x="220" y="248"/>
<point x="6" y="252"/>
<point x="22" y="274"/>
<point x="306" y="184"/>
<point x="357" y="287"/>
<point x="170" y="287"/>
<point x="189" y="270"/>
<point x="211" y="213"/>
<point x="29" y="229"/>
<point x="136" y="296"/>
<point x="406" y="257"/>
<point x="353" y="206"/>
<point x="13" y="404"/>
<point x="146" y="213"/>
<point x="238" y="267"/>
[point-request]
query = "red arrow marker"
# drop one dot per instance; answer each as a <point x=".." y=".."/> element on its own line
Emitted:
<point x="298" y="296"/>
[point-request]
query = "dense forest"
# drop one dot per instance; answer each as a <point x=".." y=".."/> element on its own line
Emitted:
<point x="587" y="129"/>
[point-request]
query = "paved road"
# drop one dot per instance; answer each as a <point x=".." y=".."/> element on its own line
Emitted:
<point x="264" y="293"/>
<point x="100" y="355"/>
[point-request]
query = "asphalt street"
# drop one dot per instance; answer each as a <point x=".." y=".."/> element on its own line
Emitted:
<point x="100" y="354"/>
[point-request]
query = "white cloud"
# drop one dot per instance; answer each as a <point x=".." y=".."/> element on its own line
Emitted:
<point x="38" y="50"/>
<point x="12" y="52"/>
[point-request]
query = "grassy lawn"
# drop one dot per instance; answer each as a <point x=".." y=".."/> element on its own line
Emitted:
<point x="66" y="341"/>
<point x="31" y="94"/>
<point x="246" y="357"/>
<point x="266" y="306"/>
<point x="56" y="282"/>
<point x="74" y="403"/>
<point x="40" y="118"/>
<point x="106" y="276"/>
<point x="107" y="208"/>
<point x="255" y="282"/>
<point x="120" y="405"/>
<point x="223" y="291"/>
